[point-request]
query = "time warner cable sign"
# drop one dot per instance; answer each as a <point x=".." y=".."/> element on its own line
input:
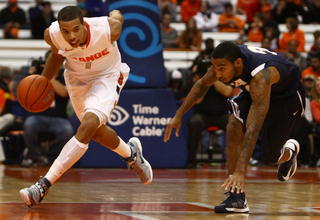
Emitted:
<point x="145" y="113"/>
<point x="146" y="120"/>
<point x="140" y="42"/>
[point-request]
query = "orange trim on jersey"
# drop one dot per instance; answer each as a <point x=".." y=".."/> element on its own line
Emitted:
<point x="89" y="33"/>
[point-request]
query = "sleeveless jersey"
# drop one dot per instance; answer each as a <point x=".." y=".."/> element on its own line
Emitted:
<point x="256" y="59"/>
<point x="98" y="58"/>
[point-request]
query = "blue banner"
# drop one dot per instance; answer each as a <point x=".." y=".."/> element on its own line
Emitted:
<point x="140" y="42"/>
<point x="142" y="113"/>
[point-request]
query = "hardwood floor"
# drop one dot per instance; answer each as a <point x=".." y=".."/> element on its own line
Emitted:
<point x="116" y="194"/>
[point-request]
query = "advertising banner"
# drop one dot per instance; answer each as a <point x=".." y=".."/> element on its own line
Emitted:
<point x="142" y="113"/>
<point x="140" y="42"/>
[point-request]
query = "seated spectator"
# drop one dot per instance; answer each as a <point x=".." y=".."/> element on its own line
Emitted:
<point x="53" y="121"/>
<point x="212" y="110"/>
<point x="316" y="43"/>
<point x="294" y="56"/>
<point x="188" y="9"/>
<point x="315" y="109"/>
<point x="204" y="54"/>
<point x="35" y="11"/>
<point x="12" y="18"/>
<point x="255" y="33"/>
<point x="239" y="41"/>
<point x="42" y="21"/>
<point x="95" y="7"/>
<point x="191" y="37"/>
<point x="293" y="33"/>
<point x="314" y="68"/>
<point x="167" y="6"/>
<point x="8" y="121"/>
<point x="285" y="9"/>
<point x="169" y="35"/>
<point x="217" y="6"/>
<point x="176" y="84"/>
<point x="268" y="21"/>
<point x="314" y="12"/>
<point x="248" y="8"/>
<point x="206" y="20"/>
<point x="271" y="34"/>
<point x="229" y="22"/>
<point x="266" y="43"/>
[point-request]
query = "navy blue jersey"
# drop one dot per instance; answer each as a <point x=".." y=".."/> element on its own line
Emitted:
<point x="256" y="59"/>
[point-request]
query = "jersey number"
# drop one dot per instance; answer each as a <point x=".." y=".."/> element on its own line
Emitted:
<point x="260" y="50"/>
<point x="120" y="80"/>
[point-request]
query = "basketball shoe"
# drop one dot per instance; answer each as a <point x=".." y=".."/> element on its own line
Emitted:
<point x="35" y="193"/>
<point x="235" y="203"/>
<point x="137" y="162"/>
<point x="287" y="169"/>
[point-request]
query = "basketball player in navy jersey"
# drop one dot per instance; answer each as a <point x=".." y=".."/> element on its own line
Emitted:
<point x="271" y="103"/>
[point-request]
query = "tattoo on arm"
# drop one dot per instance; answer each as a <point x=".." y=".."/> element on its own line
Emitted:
<point x="266" y="74"/>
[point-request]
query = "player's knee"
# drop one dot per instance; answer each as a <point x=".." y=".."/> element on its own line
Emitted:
<point x="88" y="126"/>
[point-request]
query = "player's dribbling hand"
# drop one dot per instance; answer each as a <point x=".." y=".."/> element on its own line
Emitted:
<point x="234" y="180"/>
<point x="175" y="122"/>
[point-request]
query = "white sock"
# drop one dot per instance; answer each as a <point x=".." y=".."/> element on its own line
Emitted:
<point x="123" y="149"/>
<point x="72" y="151"/>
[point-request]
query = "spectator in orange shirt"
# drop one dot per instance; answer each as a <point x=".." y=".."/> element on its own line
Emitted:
<point x="314" y="68"/>
<point x="293" y="33"/>
<point x="248" y="8"/>
<point x="229" y="22"/>
<point x="189" y="8"/>
<point x="191" y="38"/>
<point x="255" y="33"/>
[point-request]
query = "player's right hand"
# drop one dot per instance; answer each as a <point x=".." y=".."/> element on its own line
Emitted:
<point x="176" y="123"/>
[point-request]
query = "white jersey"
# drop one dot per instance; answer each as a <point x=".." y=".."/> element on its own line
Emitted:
<point x="98" y="58"/>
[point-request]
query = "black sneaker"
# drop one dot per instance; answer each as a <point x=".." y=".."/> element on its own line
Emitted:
<point x="235" y="203"/>
<point x="287" y="169"/>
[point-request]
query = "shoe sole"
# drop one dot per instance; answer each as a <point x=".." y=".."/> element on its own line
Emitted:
<point x="137" y="141"/>
<point x="25" y="197"/>
<point x="297" y="146"/>
<point x="232" y="210"/>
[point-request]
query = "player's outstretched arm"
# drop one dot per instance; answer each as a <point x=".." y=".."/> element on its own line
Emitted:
<point x="54" y="61"/>
<point x="196" y="93"/>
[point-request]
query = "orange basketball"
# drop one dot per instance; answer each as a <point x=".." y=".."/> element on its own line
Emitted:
<point x="35" y="93"/>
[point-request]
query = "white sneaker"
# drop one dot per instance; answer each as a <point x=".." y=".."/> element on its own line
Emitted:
<point x="137" y="162"/>
<point x="287" y="169"/>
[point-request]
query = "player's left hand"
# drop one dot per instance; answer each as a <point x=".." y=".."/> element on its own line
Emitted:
<point x="235" y="180"/>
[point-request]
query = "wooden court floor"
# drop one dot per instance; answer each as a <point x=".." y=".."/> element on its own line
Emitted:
<point x="116" y="194"/>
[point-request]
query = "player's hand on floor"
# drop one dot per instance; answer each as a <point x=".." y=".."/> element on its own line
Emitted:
<point x="236" y="182"/>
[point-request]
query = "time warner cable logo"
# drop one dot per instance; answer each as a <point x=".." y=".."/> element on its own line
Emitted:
<point x="146" y="120"/>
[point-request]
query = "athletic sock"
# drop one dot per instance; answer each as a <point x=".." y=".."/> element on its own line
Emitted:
<point x="72" y="151"/>
<point x="123" y="149"/>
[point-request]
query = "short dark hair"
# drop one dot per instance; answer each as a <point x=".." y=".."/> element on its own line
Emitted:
<point x="70" y="13"/>
<point x="228" y="50"/>
<point x="5" y="72"/>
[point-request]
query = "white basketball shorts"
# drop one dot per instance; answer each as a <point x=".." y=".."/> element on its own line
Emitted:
<point x="99" y="96"/>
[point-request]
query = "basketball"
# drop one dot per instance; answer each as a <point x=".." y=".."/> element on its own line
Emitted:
<point x="35" y="93"/>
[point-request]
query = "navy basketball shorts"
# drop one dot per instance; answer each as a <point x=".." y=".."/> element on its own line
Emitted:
<point x="282" y="118"/>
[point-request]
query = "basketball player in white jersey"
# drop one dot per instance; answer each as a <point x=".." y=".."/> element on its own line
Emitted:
<point x="94" y="77"/>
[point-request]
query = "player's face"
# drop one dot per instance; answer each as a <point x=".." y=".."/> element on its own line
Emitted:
<point x="73" y="32"/>
<point x="225" y="69"/>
